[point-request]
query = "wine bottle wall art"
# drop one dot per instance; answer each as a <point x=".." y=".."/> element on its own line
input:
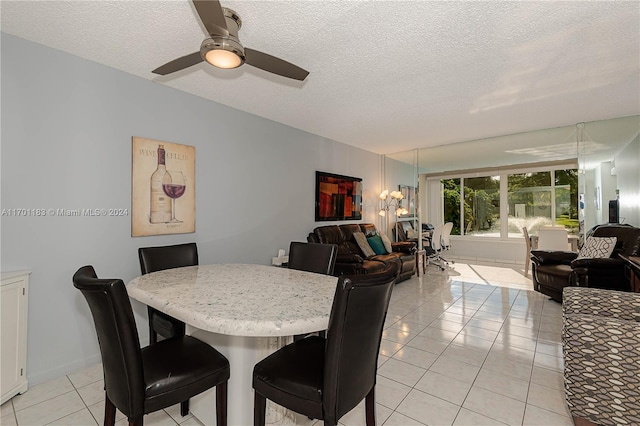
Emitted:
<point x="163" y="188"/>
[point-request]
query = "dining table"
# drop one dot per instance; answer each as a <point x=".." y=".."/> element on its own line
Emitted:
<point x="246" y="312"/>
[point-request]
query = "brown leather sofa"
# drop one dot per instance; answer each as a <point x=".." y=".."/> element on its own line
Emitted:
<point x="352" y="261"/>
<point x="552" y="271"/>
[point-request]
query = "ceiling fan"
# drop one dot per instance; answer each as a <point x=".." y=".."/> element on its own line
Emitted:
<point x="224" y="50"/>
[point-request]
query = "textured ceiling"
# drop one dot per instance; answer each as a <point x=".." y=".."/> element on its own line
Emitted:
<point x="385" y="76"/>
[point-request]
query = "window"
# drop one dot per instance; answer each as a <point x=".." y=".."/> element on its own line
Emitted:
<point x="529" y="197"/>
<point x="482" y="206"/>
<point x="566" y="188"/>
<point x="451" y="203"/>
<point x="534" y="199"/>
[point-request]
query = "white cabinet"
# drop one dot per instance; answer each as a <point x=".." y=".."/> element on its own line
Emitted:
<point x="13" y="335"/>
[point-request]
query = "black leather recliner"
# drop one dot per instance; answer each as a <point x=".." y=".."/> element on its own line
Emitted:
<point x="552" y="271"/>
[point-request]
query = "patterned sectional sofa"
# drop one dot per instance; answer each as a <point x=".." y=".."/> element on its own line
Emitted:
<point x="601" y="347"/>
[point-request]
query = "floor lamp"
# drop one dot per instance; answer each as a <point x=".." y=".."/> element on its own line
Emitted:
<point x="391" y="201"/>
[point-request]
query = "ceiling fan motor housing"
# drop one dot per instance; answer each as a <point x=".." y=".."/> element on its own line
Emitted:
<point x="230" y="43"/>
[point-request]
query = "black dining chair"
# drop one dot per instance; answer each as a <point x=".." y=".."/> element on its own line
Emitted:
<point x="154" y="259"/>
<point x="312" y="257"/>
<point x="159" y="258"/>
<point x="140" y="381"/>
<point x="326" y="378"/>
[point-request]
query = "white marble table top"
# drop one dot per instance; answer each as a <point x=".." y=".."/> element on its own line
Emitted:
<point x="239" y="299"/>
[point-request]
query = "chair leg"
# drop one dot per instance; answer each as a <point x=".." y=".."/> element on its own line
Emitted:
<point x="109" y="412"/>
<point x="221" y="404"/>
<point x="184" y="408"/>
<point x="259" y="409"/>
<point x="370" y="407"/>
<point x="136" y="422"/>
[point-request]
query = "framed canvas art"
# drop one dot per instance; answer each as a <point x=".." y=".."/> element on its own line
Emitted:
<point x="338" y="197"/>
<point x="163" y="188"/>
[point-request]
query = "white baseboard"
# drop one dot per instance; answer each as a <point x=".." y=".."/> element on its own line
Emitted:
<point x="62" y="370"/>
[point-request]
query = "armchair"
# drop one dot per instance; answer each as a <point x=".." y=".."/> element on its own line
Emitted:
<point x="552" y="271"/>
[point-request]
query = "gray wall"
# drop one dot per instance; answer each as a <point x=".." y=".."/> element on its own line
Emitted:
<point x="67" y="125"/>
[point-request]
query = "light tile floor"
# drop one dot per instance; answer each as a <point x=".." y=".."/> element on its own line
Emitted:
<point x="472" y="345"/>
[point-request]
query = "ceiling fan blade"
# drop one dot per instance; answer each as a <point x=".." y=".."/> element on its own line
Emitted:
<point x="212" y="17"/>
<point x="274" y="65"/>
<point x="179" y="64"/>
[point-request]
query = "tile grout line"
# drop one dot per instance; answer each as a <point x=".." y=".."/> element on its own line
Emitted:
<point x="82" y="399"/>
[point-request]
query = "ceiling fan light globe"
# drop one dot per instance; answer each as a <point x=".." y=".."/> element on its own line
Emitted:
<point x="223" y="59"/>
<point x="222" y="52"/>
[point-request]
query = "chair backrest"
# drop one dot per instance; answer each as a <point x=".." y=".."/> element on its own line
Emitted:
<point x="446" y="235"/>
<point x="118" y="339"/>
<point x="313" y="257"/>
<point x="628" y="238"/>
<point x="527" y="239"/>
<point x="154" y="259"/>
<point x="353" y="339"/>
<point x="436" y="237"/>
<point x="553" y="239"/>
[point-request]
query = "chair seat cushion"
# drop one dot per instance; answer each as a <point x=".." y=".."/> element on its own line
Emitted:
<point x="296" y="369"/>
<point x="184" y="363"/>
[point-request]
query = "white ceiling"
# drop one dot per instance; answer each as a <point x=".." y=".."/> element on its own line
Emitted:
<point x="385" y="76"/>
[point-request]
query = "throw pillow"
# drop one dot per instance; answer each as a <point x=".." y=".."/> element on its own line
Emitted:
<point x="411" y="233"/>
<point x="597" y="247"/>
<point x="363" y="244"/>
<point x="387" y="243"/>
<point x="377" y="245"/>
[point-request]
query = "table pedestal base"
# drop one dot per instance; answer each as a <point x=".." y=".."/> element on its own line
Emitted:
<point x="243" y="353"/>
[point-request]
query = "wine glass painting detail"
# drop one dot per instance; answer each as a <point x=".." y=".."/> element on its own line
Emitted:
<point x="174" y="185"/>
